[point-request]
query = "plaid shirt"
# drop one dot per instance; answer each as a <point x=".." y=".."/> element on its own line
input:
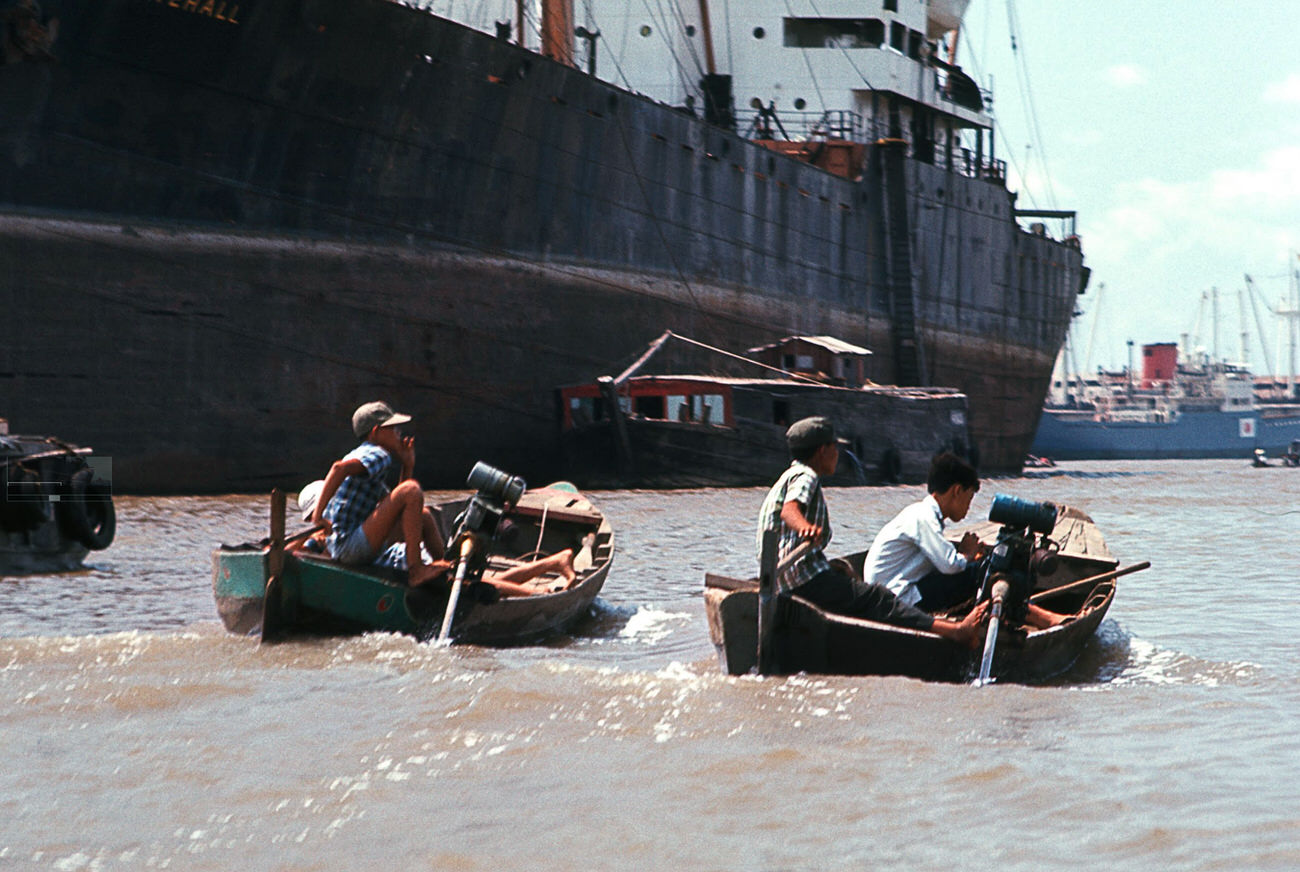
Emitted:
<point x="801" y="484"/>
<point x="358" y="495"/>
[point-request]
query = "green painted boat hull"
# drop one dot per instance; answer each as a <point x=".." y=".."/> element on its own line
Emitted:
<point x="318" y="596"/>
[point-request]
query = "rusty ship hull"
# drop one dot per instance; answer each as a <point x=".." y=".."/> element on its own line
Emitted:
<point x="221" y="229"/>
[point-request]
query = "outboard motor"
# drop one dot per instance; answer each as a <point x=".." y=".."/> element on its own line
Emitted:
<point x="1010" y="571"/>
<point x="1022" y="552"/>
<point x="475" y="531"/>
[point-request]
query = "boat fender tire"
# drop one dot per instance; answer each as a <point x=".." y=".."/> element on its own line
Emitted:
<point x="891" y="465"/>
<point x="89" y="516"/>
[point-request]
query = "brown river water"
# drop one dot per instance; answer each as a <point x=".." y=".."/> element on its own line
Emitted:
<point x="137" y="734"/>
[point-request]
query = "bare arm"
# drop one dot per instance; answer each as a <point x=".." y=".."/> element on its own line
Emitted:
<point x="793" y="517"/>
<point x="406" y="456"/>
<point x="340" y="470"/>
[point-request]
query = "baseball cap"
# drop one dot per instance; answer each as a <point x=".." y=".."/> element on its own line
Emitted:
<point x="376" y="414"/>
<point x="810" y="433"/>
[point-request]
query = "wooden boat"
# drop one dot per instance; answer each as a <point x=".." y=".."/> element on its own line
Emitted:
<point x="696" y="427"/>
<point x="56" y="507"/>
<point x="807" y="638"/>
<point x="316" y="595"/>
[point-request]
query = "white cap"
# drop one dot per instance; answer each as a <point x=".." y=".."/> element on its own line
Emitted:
<point x="308" y="496"/>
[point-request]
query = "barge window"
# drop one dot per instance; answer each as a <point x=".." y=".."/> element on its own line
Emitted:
<point x="834" y="33"/>
<point x="891" y="5"/>
<point x="708" y="409"/>
<point x="650" y="407"/>
<point x="584" y="410"/>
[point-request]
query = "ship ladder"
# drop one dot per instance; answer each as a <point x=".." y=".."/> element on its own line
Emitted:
<point x="907" y="350"/>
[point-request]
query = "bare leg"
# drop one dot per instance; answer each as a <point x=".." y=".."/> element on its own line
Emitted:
<point x="402" y="509"/>
<point x="1040" y="618"/>
<point x="514" y="581"/>
<point x="560" y="562"/>
<point x="432" y="535"/>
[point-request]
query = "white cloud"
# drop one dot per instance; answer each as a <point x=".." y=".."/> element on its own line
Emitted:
<point x="1125" y="75"/>
<point x="1161" y="244"/>
<point x="1285" y="91"/>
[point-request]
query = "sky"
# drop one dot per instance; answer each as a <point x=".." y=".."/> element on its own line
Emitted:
<point x="1173" y="129"/>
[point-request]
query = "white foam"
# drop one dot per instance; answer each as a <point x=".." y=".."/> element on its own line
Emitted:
<point x="652" y="625"/>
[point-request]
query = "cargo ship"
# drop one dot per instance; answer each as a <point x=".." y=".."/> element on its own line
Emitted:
<point x="1181" y="405"/>
<point x="224" y="224"/>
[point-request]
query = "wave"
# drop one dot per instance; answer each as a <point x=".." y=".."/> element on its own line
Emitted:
<point x="1115" y="657"/>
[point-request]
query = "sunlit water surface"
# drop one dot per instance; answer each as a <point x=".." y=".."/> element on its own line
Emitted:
<point x="138" y="734"/>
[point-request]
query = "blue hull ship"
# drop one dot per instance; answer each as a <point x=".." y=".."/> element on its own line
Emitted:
<point x="1179" y="407"/>
<point x="1079" y="435"/>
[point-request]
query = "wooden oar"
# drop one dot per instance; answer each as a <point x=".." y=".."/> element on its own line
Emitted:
<point x="768" y="572"/>
<point x="1083" y="582"/>
<point x="274" y="565"/>
<point x="790" y="559"/>
<point x="767" y="567"/>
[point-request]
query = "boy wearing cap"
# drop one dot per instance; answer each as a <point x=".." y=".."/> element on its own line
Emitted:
<point x="795" y="506"/>
<point x="356" y="507"/>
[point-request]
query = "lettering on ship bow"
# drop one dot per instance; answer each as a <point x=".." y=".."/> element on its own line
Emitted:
<point x="218" y="10"/>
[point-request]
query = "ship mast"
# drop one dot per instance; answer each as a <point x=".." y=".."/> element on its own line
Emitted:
<point x="711" y="66"/>
<point x="557" y="30"/>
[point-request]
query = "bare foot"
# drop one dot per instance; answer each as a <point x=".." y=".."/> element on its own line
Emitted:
<point x="427" y="572"/>
<point x="967" y="631"/>
<point x="585" y="556"/>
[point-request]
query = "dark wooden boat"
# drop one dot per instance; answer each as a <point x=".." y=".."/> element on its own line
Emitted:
<point x="809" y="639"/>
<point x="313" y="595"/>
<point x="56" y="506"/>
<point x="684" y="427"/>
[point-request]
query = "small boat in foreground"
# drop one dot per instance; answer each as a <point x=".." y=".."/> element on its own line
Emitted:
<point x="316" y="595"/>
<point x="57" y="505"/>
<point x="806" y="638"/>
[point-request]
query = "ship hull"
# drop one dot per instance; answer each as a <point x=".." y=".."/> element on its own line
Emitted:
<point x="1072" y="436"/>
<point x="222" y="233"/>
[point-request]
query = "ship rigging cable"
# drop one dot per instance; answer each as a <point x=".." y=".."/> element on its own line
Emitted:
<point x="1027" y="99"/>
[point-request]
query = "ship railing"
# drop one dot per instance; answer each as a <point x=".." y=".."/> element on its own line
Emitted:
<point x="806" y="126"/>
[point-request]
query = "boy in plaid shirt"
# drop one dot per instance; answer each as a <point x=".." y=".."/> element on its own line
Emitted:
<point x="795" y="506"/>
<point x="359" y="512"/>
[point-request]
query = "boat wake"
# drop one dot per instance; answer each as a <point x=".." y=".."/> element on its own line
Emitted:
<point x="1116" y="658"/>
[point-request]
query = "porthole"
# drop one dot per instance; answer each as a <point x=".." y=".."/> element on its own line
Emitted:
<point x="759" y="33"/>
<point x="645" y="30"/>
<point x="800" y="103"/>
<point x="690" y="30"/>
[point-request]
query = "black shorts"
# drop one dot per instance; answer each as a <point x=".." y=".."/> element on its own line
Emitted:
<point x="838" y="593"/>
<point x="941" y="592"/>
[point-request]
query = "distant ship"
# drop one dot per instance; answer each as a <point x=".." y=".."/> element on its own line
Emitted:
<point x="226" y="223"/>
<point x="1192" y="407"/>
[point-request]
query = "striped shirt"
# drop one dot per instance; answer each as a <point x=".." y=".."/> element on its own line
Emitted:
<point x="358" y="495"/>
<point x="802" y="485"/>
